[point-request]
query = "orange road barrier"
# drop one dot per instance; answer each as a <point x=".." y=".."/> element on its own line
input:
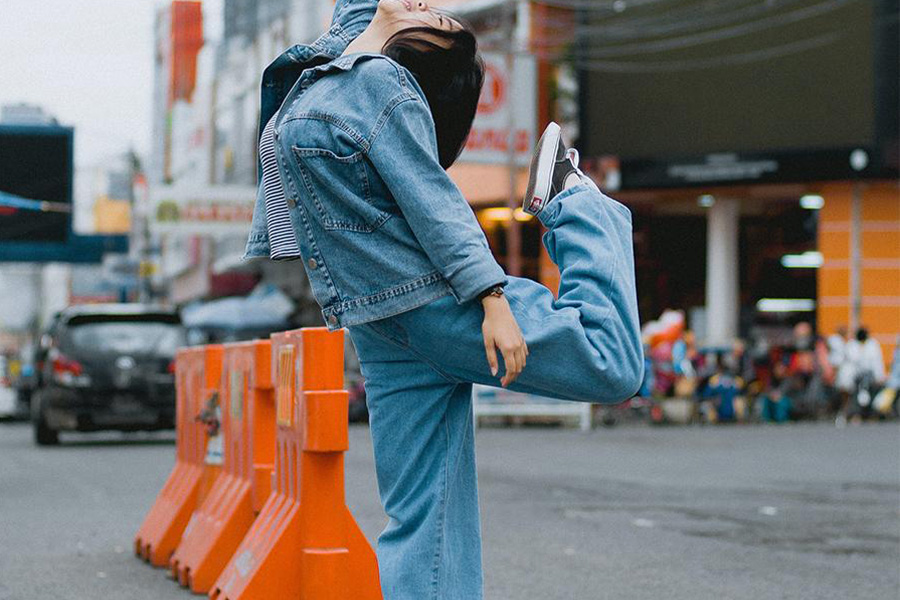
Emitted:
<point x="197" y="373"/>
<point x="305" y="544"/>
<point x="248" y="421"/>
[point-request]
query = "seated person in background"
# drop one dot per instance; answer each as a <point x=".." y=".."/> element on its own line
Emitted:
<point x="721" y="389"/>
<point x="775" y="401"/>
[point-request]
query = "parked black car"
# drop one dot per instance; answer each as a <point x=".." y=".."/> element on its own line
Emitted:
<point x="108" y="366"/>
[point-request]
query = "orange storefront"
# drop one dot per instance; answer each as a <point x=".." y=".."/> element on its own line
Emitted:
<point x="860" y="289"/>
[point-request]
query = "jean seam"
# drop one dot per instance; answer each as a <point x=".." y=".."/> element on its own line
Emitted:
<point x="438" y="555"/>
<point x="405" y="346"/>
<point x="386" y="337"/>
<point x="425" y="360"/>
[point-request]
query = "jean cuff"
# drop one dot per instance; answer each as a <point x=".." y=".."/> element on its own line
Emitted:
<point x="549" y="213"/>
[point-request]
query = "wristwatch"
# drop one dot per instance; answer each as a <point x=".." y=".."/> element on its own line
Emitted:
<point x="496" y="290"/>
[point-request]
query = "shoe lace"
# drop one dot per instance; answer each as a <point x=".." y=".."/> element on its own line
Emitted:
<point x="573" y="156"/>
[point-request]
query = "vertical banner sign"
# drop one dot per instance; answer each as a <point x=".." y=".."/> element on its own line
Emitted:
<point x="236" y="400"/>
<point x="285" y="390"/>
<point x="489" y="139"/>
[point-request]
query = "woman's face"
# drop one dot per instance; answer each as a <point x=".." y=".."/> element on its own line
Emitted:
<point x="397" y="15"/>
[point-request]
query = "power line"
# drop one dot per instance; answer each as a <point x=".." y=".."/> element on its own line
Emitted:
<point x="718" y="35"/>
<point x="579" y="51"/>
<point x="603" y="6"/>
<point x="670" y="22"/>
<point x="740" y="58"/>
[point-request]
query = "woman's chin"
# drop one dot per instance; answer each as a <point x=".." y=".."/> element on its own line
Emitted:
<point x="395" y="7"/>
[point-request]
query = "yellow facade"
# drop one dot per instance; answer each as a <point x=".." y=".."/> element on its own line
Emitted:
<point x="879" y="260"/>
<point x="112" y="216"/>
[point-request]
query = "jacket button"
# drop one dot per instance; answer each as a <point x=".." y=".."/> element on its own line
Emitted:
<point x="291" y="203"/>
<point x="312" y="263"/>
<point x="333" y="320"/>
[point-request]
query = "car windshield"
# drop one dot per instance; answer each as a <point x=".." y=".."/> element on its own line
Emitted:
<point x="138" y="337"/>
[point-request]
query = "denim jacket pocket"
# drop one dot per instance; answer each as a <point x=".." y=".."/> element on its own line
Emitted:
<point x="338" y="188"/>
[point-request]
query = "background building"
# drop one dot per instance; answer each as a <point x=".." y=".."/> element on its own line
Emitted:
<point x="758" y="149"/>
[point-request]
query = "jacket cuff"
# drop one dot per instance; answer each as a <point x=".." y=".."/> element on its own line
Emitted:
<point x="257" y="247"/>
<point x="477" y="274"/>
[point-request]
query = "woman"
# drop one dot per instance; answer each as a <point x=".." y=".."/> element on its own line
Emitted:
<point x="356" y="133"/>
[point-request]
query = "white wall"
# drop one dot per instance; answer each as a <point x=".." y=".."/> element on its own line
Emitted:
<point x="19" y="296"/>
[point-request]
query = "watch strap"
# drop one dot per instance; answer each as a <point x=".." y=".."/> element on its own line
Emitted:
<point x="494" y="290"/>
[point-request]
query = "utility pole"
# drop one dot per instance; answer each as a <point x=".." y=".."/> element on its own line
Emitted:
<point x="141" y="235"/>
<point x="513" y="226"/>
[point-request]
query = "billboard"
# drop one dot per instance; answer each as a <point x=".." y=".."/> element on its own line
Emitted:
<point x="688" y="93"/>
<point x="35" y="183"/>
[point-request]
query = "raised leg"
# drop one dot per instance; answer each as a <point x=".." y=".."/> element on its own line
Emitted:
<point x="583" y="346"/>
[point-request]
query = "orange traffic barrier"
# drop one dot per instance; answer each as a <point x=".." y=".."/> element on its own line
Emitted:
<point x="197" y="372"/>
<point x="248" y="422"/>
<point x="305" y="544"/>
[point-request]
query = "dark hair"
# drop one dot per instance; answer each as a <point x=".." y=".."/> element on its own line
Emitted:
<point x="862" y="334"/>
<point x="447" y="67"/>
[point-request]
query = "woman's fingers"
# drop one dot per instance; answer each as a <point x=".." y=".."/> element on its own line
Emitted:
<point x="520" y="355"/>
<point x="514" y="357"/>
<point x="491" y="351"/>
<point x="508" y="362"/>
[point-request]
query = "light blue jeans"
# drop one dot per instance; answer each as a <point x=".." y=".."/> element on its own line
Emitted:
<point x="419" y="367"/>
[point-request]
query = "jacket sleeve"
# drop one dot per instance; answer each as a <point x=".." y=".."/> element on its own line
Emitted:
<point x="353" y="16"/>
<point x="404" y="153"/>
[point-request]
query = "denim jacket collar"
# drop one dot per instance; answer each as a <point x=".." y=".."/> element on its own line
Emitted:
<point x="281" y="75"/>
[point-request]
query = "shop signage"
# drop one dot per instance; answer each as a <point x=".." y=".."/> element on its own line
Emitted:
<point x="489" y="139"/>
<point x="199" y="210"/>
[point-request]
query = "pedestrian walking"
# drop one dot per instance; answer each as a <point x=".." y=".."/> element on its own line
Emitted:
<point x="357" y="131"/>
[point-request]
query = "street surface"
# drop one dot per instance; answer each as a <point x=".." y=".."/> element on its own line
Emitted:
<point x="799" y="511"/>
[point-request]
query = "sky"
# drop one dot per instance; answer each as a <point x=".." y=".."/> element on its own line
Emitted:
<point x="89" y="63"/>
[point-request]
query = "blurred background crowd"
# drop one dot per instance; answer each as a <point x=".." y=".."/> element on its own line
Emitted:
<point x="801" y="377"/>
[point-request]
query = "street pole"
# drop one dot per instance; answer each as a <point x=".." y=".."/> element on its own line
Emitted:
<point x="855" y="257"/>
<point x="513" y="226"/>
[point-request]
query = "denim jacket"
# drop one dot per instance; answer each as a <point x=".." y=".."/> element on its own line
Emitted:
<point x="381" y="227"/>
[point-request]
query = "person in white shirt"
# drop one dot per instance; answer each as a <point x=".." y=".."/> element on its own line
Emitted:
<point x="863" y="369"/>
<point x="837" y="346"/>
<point x="865" y="356"/>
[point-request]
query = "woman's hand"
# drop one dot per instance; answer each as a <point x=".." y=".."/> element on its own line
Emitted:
<point x="501" y="332"/>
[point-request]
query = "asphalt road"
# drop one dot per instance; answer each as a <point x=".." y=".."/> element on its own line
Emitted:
<point x="806" y="511"/>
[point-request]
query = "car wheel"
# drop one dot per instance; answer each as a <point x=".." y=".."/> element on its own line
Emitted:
<point x="43" y="434"/>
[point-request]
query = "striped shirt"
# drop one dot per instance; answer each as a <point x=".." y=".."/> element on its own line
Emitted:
<point x="282" y="238"/>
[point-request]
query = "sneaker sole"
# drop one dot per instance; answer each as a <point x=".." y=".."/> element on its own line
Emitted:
<point x="538" y="190"/>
